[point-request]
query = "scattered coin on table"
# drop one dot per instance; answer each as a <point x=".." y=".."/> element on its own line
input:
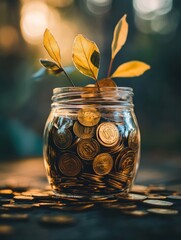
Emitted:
<point x="57" y="220"/>
<point x="163" y="211"/>
<point x="158" y="202"/>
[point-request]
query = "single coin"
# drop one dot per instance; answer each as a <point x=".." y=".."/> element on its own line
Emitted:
<point x="23" y="198"/>
<point x="134" y="140"/>
<point x="17" y="206"/>
<point x="135" y="197"/>
<point x="6" y="230"/>
<point x="125" y="160"/>
<point x="57" y="220"/>
<point x="79" y="208"/>
<point x="41" y="195"/>
<point x="139" y="189"/>
<point x="108" y="134"/>
<point x="89" y="116"/>
<point x="69" y="164"/>
<point x="174" y="197"/>
<point x="82" y="131"/>
<point x="158" y="202"/>
<point x="6" y="192"/>
<point x="14" y="217"/>
<point x="106" y="82"/>
<point x="156" y="196"/>
<point x="62" y="138"/>
<point x="163" y="211"/>
<point x="102" y="164"/>
<point x="138" y="213"/>
<point x="4" y="201"/>
<point x="155" y="189"/>
<point x="88" y="148"/>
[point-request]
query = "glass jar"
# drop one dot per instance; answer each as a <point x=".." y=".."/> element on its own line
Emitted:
<point x="91" y="142"/>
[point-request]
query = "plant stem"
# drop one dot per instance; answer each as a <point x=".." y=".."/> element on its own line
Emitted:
<point x="110" y="66"/>
<point x="68" y="78"/>
<point x="97" y="85"/>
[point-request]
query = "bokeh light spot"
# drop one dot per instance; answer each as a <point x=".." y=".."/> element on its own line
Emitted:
<point x="34" y="19"/>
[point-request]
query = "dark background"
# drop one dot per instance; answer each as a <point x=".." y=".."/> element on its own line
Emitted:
<point x="154" y="37"/>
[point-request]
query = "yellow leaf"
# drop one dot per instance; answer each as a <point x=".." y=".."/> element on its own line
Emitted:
<point x="120" y="36"/>
<point x="131" y="69"/>
<point x="52" y="47"/>
<point x="86" y="56"/>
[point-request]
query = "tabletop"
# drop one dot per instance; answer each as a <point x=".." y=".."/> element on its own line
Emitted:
<point x="39" y="215"/>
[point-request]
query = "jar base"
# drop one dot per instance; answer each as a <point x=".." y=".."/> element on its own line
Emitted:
<point x="71" y="196"/>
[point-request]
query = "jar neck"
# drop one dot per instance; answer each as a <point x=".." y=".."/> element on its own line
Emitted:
<point x="78" y="97"/>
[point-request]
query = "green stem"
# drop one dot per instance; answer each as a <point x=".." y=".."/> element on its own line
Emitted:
<point x="110" y="66"/>
<point x="68" y="78"/>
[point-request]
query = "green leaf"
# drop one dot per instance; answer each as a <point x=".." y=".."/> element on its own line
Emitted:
<point x="86" y="56"/>
<point x="52" y="47"/>
<point x="131" y="69"/>
<point x="120" y="36"/>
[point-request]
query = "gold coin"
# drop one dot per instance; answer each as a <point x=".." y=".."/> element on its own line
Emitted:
<point x="82" y="131"/>
<point x="158" y="202"/>
<point x="57" y="220"/>
<point x="136" y="197"/>
<point x="134" y="140"/>
<point x="106" y="82"/>
<point x="14" y="217"/>
<point x="89" y="116"/>
<point x="69" y="164"/>
<point x="174" y="197"/>
<point x="62" y="138"/>
<point x="88" y="148"/>
<point x="163" y="211"/>
<point x="102" y="164"/>
<point x="138" y="213"/>
<point x="139" y="189"/>
<point x="125" y="160"/>
<point x="89" y="91"/>
<point x="108" y="134"/>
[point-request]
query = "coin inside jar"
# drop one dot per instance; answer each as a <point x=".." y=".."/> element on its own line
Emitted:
<point x="88" y="148"/>
<point x="69" y="164"/>
<point x="133" y="140"/>
<point x="82" y="131"/>
<point x="106" y="82"/>
<point x="102" y="164"/>
<point x="62" y="138"/>
<point x="89" y="116"/>
<point x="108" y="134"/>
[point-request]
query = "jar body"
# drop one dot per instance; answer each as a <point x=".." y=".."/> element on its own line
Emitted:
<point x="92" y="147"/>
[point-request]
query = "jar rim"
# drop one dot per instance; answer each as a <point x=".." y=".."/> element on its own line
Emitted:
<point x="76" y="97"/>
<point x="73" y="89"/>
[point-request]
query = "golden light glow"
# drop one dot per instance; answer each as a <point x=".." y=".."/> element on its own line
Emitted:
<point x="35" y="17"/>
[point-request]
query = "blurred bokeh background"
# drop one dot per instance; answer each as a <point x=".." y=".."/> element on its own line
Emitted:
<point x="25" y="95"/>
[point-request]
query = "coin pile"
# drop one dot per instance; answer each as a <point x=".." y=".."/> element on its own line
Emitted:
<point x="91" y="154"/>
<point x="17" y="206"/>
